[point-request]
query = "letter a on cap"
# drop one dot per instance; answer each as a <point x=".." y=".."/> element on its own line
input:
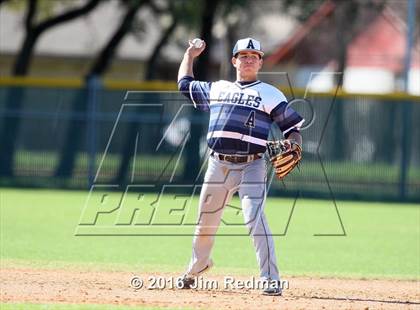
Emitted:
<point x="247" y="44"/>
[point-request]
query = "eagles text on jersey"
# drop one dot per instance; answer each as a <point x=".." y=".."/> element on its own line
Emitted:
<point x="240" y="113"/>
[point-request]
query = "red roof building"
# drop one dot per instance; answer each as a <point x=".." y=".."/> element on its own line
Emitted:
<point x="375" y="55"/>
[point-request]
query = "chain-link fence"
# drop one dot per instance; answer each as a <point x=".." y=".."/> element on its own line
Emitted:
<point x="357" y="147"/>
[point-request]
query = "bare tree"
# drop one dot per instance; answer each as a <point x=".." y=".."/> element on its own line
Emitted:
<point x="99" y="67"/>
<point x="175" y="11"/>
<point x="33" y="31"/>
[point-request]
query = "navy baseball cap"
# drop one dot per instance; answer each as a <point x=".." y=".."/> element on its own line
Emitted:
<point x="248" y="45"/>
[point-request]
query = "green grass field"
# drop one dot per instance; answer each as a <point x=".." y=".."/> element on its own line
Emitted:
<point x="373" y="171"/>
<point x="38" y="227"/>
<point x="383" y="240"/>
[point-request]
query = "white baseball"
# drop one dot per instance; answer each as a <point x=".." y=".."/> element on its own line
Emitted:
<point x="197" y="43"/>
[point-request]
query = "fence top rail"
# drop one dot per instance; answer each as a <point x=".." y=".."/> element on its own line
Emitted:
<point x="172" y="86"/>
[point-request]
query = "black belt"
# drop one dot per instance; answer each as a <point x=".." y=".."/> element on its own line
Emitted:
<point x="236" y="159"/>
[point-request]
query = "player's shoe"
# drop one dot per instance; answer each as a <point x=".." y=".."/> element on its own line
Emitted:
<point x="188" y="280"/>
<point x="273" y="289"/>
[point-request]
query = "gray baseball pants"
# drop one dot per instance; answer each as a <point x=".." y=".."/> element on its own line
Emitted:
<point x="221" y="181"/>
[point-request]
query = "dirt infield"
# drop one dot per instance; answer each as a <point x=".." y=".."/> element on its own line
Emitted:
<point x="82" y="287"/>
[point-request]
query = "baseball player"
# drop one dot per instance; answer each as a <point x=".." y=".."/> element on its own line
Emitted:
<point x="241" y="114"/>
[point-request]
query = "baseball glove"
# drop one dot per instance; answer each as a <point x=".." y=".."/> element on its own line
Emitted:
<point x="285" y="155"/>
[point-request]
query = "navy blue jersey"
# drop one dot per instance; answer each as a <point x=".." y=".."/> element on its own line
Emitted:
<point x="241" y="115"/>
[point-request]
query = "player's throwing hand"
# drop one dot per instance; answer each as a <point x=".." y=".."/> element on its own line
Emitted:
<point x="193" y="50"/>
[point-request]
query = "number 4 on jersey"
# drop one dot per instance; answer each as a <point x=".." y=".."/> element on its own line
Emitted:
<point x="250" y="122"/>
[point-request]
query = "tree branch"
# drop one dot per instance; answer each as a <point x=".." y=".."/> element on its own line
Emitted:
<point x="207" y="21"/>
<point x="151" y="67"/>
<point x="107" y="53"/>
<point x="67" y="16"/>
<point x="33" y="32"/>
<point x="30" y="13"/>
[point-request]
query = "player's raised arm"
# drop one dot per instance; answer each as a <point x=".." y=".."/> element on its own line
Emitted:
<point x="196" y="91"/>
<point x="186" y="66"/>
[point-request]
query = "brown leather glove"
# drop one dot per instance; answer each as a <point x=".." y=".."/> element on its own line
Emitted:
<point x="285" y="155"/>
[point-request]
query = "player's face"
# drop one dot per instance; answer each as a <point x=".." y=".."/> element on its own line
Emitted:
<point x="247" y="63"/>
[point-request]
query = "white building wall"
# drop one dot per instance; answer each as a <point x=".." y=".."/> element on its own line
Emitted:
<point x="356" y="80"/>
<point x="414" y="82"/>
<point x="369" y="80"/>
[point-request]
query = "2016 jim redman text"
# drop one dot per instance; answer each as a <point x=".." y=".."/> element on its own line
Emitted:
<point x="228" y="283"/>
